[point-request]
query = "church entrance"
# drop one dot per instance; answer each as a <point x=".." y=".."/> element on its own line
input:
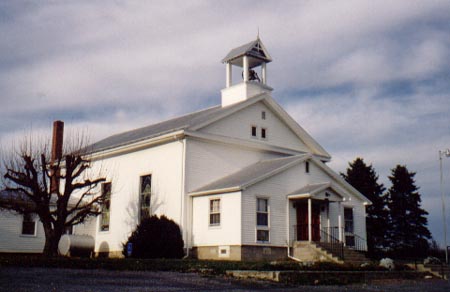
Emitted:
<point x="303" y="220"/>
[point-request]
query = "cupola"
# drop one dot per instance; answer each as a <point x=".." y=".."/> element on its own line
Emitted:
<point x="251" y="57"/>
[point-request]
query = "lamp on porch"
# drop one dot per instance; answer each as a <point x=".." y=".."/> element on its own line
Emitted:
<point x="445" y="153"/>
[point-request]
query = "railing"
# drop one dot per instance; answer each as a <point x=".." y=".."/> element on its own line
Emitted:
<point x="327" y="237"/>
<point x="329" y="240"/>
<point x="355" y="242"/>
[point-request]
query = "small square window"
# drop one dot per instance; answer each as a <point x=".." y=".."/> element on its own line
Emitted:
<point x="263" y="115"/>
<point x="262" y="235"/>
<point x="263" y="133"/>
<point x="253" y="131"/>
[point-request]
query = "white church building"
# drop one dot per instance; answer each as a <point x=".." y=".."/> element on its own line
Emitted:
<point x="242" y="179"/>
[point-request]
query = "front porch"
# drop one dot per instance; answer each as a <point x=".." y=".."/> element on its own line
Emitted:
<point x="321" y="222"/>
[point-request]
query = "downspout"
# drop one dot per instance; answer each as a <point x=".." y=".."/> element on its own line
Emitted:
<point x="288" y="230"/>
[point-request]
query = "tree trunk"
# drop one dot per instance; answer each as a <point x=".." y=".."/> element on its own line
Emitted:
<point x="51" y="242"/>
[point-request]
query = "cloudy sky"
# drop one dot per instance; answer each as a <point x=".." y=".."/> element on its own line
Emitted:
<point x="365" y="78"/>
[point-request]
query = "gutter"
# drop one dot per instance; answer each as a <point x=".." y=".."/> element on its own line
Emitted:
<point x="216" y="191"/>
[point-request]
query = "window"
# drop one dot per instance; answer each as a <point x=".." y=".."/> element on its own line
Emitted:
<point x="145" y="195"/>
<point x="253" y="131"/>
<point x="28" y="225"/>
<point x="263" y="133"/>
<point x="106" y="193"/>
<point x="263" y="115"/>
<point x="262" y="235"/>
<point x="348" y="218"/>
<point x="214" y="212"/>
<point x="307" y="166"/>
<point x="262" y="220"/>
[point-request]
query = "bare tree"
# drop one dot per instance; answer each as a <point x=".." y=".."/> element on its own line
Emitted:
<point x="59" y="187"/>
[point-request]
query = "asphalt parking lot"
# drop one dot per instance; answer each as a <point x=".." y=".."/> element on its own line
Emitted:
<point x="43" y="279"/>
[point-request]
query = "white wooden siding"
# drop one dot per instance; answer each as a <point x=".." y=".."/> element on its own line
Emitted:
<point x="276" y="189"/>
<point x="238" y="125"/>
<point x="11" y="238"/>
<point x="229" y="231"/>
<point x="164" y="163"/>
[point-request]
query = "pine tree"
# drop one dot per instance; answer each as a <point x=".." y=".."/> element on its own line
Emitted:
<point x="408" y="232"/>
<point x="364" y="178"/>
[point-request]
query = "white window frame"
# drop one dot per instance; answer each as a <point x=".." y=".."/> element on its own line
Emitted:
<point x="140" y="194"/>
<point x="262" y="227"/>
<point x="32" y="219"/>
<point x="109" y="211"/>
<point x="211" y="212"/>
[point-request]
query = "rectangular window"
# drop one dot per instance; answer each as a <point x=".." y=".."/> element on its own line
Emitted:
<point x="214" y="212"/>
<point x="262" y="213"/>
<point x="105" y="218"/>
<point x="263" y="133"/>
<point x="262" y="220"/>
<point x="145" y="195"/>
<point x="307" y="166"/>
<point x="348" y="218"/>
<point x="263" y="115"/>
<point x="253" y="131"/>
<point x="28" y="225"/>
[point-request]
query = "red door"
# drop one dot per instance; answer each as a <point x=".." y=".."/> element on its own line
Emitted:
<point x="302" y="221"/>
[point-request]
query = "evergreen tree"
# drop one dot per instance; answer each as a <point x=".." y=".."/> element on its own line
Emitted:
<point x="408" y="232"/>
<point x="364" y="178"/>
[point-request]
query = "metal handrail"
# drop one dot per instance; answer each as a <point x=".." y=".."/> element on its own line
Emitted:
<point x="330" y="242"/>
<point x="360" y="244"/>
<point x="326" y="237"/>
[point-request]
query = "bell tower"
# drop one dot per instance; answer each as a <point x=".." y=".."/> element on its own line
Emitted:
<point x="249" y="57"/>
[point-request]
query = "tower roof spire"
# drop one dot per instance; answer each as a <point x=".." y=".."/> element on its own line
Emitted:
<point x="254" y="50"/>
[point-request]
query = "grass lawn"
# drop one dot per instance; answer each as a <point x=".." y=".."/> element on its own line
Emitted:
<point x="178" y="265"/>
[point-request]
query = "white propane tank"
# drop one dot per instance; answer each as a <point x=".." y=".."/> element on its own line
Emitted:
<point x="76" y="245"/>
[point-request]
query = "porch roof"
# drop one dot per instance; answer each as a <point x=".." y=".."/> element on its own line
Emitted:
<point x="250" y="175"/>
<point x="315" y="191"/>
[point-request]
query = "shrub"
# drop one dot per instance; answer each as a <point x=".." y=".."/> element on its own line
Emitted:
<point x="156" y="238"/>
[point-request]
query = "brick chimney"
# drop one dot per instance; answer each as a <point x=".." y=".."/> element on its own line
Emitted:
<point x="57" y="146"/>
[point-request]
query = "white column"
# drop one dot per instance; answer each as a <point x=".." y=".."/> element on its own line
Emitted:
<point x="264" y="73"/>
<point x="228" y="68"/>
<point x="340" y="221"/>
<point x="309" y="219"/>
<point x="245" y="68"/>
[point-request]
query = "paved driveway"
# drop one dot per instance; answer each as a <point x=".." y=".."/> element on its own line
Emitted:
<point x="42" y="279"/>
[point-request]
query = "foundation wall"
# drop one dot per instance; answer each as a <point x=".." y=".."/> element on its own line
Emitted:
<point x="238" y="253"/>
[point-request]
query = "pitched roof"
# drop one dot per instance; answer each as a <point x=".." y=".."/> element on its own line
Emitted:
<point x="251" y="174"/>
<point x="254" y="49"/>
<point x="200" y="119"/>
<point x="179" y="123"/>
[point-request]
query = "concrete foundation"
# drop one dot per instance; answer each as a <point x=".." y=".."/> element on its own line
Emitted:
<point x="240" y="253"/>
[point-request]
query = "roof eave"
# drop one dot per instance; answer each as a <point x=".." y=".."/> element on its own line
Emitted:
<point x="216" y="191"/>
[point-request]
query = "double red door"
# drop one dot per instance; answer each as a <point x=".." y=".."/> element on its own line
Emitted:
<point x="302" y="221"/>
